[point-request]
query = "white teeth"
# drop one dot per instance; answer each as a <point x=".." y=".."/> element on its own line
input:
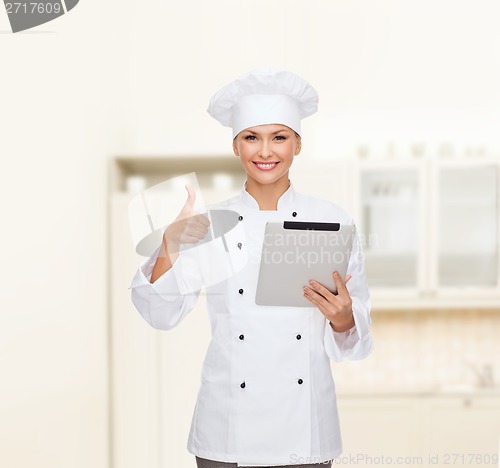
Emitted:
<point x="266" y="165"/>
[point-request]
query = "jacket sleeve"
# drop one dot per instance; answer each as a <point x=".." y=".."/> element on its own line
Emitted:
<point x="165" y="303"/>
<point x="356" y="343"/>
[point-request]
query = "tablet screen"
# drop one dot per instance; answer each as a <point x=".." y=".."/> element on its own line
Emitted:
<point x="294" y="252"/>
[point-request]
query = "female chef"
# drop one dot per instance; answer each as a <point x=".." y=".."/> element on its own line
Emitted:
<point x="267" y="396"/>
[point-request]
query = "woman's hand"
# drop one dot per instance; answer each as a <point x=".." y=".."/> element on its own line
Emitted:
<point x="188" y="228"/>
<point x="336" y="308"/>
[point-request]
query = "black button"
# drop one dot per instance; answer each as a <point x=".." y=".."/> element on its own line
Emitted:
<point x="242" y="337"/>
<point x="294" y="214"/>
<point x="242" y="385"/>
<point x="300" y="381"/>
<point x="240" y="291"/>
<point x="299" y="337"/>
<point x="239" y="245"/>
<point x="240" y="217"/>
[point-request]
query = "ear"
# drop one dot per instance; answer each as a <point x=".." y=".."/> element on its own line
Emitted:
<point x="299" y="146"/>
<point x="235" y="148"/>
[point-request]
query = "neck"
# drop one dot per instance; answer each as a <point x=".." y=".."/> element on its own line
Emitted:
<point x="267" y="195"/>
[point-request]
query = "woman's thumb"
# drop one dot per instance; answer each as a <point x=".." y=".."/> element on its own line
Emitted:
<point x="190" y="199"/>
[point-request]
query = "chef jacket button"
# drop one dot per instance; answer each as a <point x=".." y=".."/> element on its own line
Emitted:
<point x="299" y="337"/>
<point x="294" y="214"/>
<point x="300" y="381"/>
<point x="240" y="291"/>
<point x="242" y="385"/>
<point x="242" y="337"/>
<point x="240" y="217"/>
<point x="239" y="245"/>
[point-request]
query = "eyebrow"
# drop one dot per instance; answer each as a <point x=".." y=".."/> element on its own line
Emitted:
<point x="274" y="133"/>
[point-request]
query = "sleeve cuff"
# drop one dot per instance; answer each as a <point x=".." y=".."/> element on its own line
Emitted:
<point x="345" y="340"/>
<point x="165" y="286"/>
<point x="353" y="344"/>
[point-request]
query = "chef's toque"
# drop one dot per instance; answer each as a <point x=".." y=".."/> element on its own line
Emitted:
<point x="264" y="96"/>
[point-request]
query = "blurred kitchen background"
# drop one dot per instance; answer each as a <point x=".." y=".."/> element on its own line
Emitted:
<point x="111" y="99"/>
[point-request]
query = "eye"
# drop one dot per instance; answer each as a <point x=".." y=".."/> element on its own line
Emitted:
<point x="281" y="137"/>
<point x="249" y="137"/>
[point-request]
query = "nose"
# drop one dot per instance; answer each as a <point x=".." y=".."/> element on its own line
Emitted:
<point x="265" y="150"/>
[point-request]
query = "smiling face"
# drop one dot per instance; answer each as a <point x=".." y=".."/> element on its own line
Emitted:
<point x="266" y="153"/>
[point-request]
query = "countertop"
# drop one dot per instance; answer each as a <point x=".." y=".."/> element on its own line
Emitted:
<point x="455" y="390"/>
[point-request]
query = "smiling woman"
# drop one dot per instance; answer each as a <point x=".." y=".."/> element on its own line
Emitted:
<point x="266" y="153"/>
<point x="267" y="396"/>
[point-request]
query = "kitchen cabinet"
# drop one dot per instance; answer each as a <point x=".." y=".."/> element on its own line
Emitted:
<point x="420" y="429"/>
<point x="392" y="202"/>
<point x="465" y="215"/>
<point x="380" y="426"/>
<point x="430" y="231"/>
<point x="465" y="428"/>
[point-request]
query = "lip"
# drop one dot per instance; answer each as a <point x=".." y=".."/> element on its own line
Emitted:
<point x="265" y="162"/>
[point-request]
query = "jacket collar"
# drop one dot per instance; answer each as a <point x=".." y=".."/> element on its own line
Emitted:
<point x="286" y="201"/>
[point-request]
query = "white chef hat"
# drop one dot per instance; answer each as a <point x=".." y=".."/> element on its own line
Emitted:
<point x="264" y="96"/>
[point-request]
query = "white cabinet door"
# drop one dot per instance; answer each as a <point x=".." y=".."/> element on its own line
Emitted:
<point x="429" y="430"/>
<point x="391" y="221"/>
<point x="379" y="427"/>
<point x="463" y="430"/>
<point x="465" y="219"/>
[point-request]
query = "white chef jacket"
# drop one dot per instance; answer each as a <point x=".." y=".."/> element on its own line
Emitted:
<point x="267" y="395"/>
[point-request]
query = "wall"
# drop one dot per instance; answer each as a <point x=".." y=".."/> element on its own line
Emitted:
<point x="135" y="77"/>
<point x="53" y="333"/>
<point x="425" y="350"/>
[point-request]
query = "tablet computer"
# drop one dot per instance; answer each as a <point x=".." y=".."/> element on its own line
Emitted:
<point x="294" y="252"/>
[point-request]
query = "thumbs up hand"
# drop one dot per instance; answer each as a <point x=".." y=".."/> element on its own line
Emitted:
<point x="188" y="228"/>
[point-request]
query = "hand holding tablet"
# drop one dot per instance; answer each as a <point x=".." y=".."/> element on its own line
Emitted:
<point x="337" y="308"/>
